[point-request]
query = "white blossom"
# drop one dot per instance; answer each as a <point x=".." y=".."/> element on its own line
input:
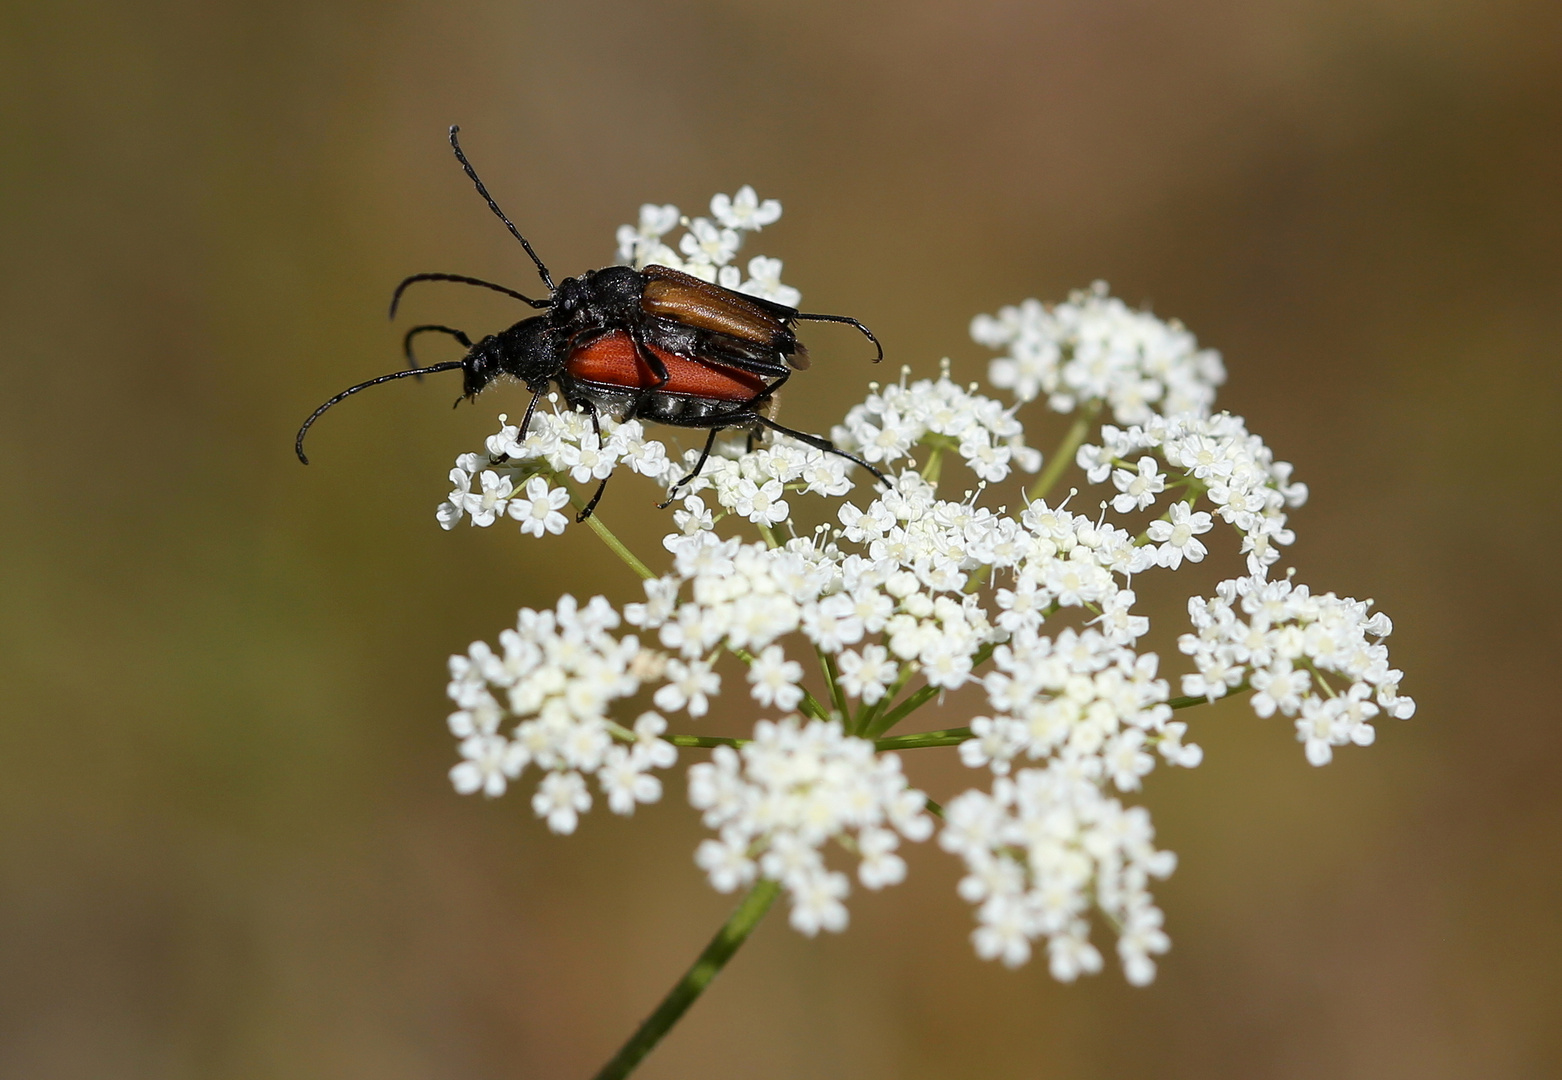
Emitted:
<point x="952" y="573"/>
<point x="789" y="791"/>
<point x="1094" y="349"/>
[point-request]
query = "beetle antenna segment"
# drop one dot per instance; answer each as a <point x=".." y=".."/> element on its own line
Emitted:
<point x="298" y="444"/>
<point x="430" y="328"/>
<point x="455" y="145"/>
<point x="848" y="320"/>
<point x="464" y="280"/>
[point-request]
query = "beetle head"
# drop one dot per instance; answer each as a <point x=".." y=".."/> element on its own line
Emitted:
<point x="526" y="351"/>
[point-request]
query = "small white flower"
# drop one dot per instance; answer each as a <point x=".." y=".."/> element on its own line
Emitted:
<point x="538" y="512"/>
<point x="560" y="799"/>
<point x="744" y="210"/>
<point x="491" y="761"/>
<point x="867" y="675"/>
<point x="763" y="504"/>
<point x="1138" y="488"/>
<point x="1177" y="536"/>
<point x="764" y="281"/>
<point x="706" y="245"/>
<point x="625" y="781"/>
<point x="688" y="687"/>
<point x="775" y="679"/>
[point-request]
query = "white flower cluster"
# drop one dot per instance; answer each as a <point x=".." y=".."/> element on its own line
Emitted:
<point x="1096" y="349"/>
<point x="1097" y="705"/>
<point x="708" y="247"/>
<point x="1288" y="647"/>
<point x="895" y="418"/>
<point x="558" y="673"/>
<point x="1218" y="458"/>
<point x="1043" y="847"/>
<point x="779" y="798"/>
<point x="513" y="476"/>
<point x="906" y="595"/>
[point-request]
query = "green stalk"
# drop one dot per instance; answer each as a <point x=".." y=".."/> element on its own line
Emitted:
<point x="832" y="680"/>
<point x="946" y="737"/>
<point x="695" y="980"/>
<point x="868" y="713"/>
<point x="921" y="698"/>
<point x="809" y="706"/>
<point x="1188" y="702"/>
<point x="1063" y="456"/>
<point x="706" y="741"/>
<point x="614" y="544"/>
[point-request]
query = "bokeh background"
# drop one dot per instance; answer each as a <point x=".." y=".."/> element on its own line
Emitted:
<point x="227" y="844"/>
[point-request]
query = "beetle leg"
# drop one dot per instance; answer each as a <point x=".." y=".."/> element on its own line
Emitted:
<point x="658" y="369"/>
<point x="592" y="505"/>
<point x="698" y="465"/>
<point x="526" y="421"/>
<point x="821" y="443"/>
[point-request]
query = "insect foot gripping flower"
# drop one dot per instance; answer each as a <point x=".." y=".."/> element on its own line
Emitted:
<point x="962" y="572"/>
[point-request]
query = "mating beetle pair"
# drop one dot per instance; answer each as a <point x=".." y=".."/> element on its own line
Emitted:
<point x="655" y="344"/>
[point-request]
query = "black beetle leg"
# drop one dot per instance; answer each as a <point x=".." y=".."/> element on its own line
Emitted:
<point x="821" y="443"/>
<point x="596" y="424"/>
<point x="526" y="421"/>
<point x="592" y="505"/>
<point x="658" y="369"/>
<point x="698" y="465"/>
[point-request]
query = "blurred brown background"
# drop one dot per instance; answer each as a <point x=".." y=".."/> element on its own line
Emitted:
<point x="227" y="844"/>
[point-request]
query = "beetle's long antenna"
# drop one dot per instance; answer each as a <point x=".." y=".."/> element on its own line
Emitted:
<point x="298" y="445"/>
<point x="428" y="328"/>
<point x="848" y="320"/>
<point x="464" y="280"/>
<point x="508" y="224"/>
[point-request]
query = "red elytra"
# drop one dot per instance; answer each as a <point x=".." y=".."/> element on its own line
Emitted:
<point x="613" y="360"/>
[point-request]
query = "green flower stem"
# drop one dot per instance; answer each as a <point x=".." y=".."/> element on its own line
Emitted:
<point x="769" y="534"/>
<point x="614" y="544"/>
<point x="1063" y="456"/>
<point x="809" y="706"/>
<point x="832" y="679"/>
<point x="869" y="713"/>
<point x="682" y="995"/>
<point x="934" y="466"/>
<point x="947" y="737"/>
<point x="1189" y="702"/>
<point x="706" y="741"/>
<point x="920" y="698"/>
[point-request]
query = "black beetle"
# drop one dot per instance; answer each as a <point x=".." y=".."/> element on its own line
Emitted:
<point x="656" y="344"/>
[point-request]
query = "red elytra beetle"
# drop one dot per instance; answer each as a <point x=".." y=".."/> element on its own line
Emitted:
<point x="654" y="344"/>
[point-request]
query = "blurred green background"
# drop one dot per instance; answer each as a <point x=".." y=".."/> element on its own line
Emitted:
<point x="227" y="844"/>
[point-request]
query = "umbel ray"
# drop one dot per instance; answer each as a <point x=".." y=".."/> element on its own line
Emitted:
<point x="654" y="344"/>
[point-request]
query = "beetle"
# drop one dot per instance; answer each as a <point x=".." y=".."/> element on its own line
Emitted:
<point x="656" y="344"/>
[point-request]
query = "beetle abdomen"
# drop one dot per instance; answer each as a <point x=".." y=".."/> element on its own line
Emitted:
<point x="612" y="360"/>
